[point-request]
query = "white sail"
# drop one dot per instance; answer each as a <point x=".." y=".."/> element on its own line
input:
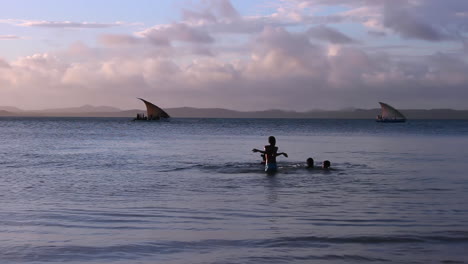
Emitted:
<point x="390" y="113"/>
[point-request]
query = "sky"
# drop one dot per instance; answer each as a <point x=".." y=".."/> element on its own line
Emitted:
<point x="245" y="55"/>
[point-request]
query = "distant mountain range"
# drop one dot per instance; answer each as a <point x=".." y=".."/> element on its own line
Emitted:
<point x="108" y="111"/>
<point x="83" y="109"/>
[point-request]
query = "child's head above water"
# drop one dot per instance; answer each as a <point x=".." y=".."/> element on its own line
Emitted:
<point x="310" y="163"/>
<point x="326" y="164"/>
<point x="272" y="140"/>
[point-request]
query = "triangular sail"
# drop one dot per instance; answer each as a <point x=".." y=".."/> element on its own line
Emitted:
<point x="153" y="111"/>
<point x="388" y="112"/>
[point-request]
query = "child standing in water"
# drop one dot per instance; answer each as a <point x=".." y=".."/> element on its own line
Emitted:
<point x="270" y="152"/>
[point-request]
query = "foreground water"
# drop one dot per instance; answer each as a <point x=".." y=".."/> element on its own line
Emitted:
<point x="191" y="191"/>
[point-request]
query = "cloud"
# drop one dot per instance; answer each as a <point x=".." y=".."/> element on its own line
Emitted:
<point x="225" y="8"/>
<point x="202" y="51"/>
<point x="285" y="70"/>
<point x="9" y="37"/>
<point x="60" y="24"/>
<point x="78" y="52"/>
<point x="377" y="33"/>
<point x="409" y="26"/>
<point x="220" y="16"/>
<point x="165" y="34"/>
<point x="67" y="24"/>
<point x="201" y="17"/>
<point x="113" y="39"/>
<point x="428" y="20"/>
<point x="329" y="34"/>
<point x="278" y="52"/>
<point x="291" y="58"/>
<point x="211" y="12"/>
<point x="4" y="64"/>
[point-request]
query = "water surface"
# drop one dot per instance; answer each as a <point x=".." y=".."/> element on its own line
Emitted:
<point x="95" y="190"/>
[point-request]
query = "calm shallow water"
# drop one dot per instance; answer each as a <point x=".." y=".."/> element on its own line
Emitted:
<point x="80" y="190"/>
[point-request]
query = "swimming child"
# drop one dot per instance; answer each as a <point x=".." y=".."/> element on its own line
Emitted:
<point x="310" y="163"/>
<point x="326" y="165"/>
<point x="270" y="152"/>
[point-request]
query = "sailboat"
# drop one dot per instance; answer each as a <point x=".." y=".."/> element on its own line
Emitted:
<point x="390" y="114"/>
<point x="153" y="112"/>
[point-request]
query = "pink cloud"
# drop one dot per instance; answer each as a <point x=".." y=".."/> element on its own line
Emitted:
<point x="4" y="64"/>
<point x="292" y="73"/>
<point x="9" y="37"/>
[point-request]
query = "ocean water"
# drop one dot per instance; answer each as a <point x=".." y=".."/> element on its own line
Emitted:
<point x="97" y="190"/>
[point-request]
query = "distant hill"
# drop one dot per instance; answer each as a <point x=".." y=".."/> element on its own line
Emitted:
<point x="6" y="113"/>
<point x="339" y="114"/>
<point x="10" y="109"/>
<point x="82" y="109"/>
<point x="108" y="111"/>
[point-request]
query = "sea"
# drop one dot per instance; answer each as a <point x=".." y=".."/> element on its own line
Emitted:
<point x="187" y="190"/>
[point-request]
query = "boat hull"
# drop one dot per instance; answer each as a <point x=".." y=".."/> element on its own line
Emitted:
<point x="390" y="120"/>
<point x="150" y="120"/>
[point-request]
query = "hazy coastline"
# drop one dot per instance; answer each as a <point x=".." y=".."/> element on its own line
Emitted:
<point x="191" y="112"/>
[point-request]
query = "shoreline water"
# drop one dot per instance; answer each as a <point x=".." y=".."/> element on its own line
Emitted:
<point x="115" y="191"/>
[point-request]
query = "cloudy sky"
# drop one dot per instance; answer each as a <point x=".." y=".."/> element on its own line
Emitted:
<point x="236" y="54"/>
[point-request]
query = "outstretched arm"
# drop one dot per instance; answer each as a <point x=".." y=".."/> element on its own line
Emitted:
<point x="282" y="153"/>
<point x="257" y="150"/>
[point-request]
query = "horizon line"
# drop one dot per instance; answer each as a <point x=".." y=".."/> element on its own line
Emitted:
<point x="346" y="109"/>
